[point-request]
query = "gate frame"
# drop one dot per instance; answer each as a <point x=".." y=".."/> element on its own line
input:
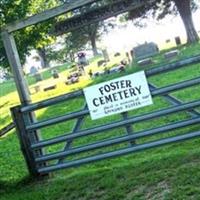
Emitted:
<point x="36" y="162"/>
<point x="7" y="35"/>
<point x="21" y="83"/>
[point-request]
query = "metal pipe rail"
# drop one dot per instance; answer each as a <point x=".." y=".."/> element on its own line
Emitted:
<point x="174" y="101"/>
<point x="173" y="66"/>
<point x="120" y="152"/>
<point x="117" y="124"/>
<point x="118" y="140"/>
<point x="51" y="101"/>
<point x="154" y="92"/>
<point x="150" y="72"/>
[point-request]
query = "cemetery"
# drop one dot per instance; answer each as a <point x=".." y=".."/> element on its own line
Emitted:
<point x="121" y="124"/>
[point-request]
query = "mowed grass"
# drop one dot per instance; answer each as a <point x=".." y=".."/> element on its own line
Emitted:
<point x="169" y="172"/>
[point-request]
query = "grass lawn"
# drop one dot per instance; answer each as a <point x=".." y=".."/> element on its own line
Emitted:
<point x="169" y="172"/>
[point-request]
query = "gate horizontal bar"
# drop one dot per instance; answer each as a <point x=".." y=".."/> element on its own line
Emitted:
<point x="117" y="140"/>
<point x="56" y="120"/>
<point x="173" y="66"/>
<point x="150" y="72"/>
<point x="120" y="152"/>
<point x="116" y="124"/>
<point x="174" y="101"/>
<point x="51" y="101"/>
<point x="156" y="92"/>
<point x="175" y="87"/>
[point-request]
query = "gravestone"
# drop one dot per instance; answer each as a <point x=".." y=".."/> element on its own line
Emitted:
<point x="38" y="77"/>
<point x="178" y="40"/>
<point x="82" y="59"/>
<point x="54" y="73"/>
<point x="101" y="62"/>
<point x="171" y="54"/>
<point x="145" y="50"/>
<point x="105" y="55"/>
<point x="117" y="54"/>
<point x="33" y="70"/>
<point x="145" y="62"/>
<point x="50" y="87"/>
<point x="35" y="73"/>
<point x="36" y="88"/>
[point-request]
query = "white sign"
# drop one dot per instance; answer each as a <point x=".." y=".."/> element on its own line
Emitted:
<point x="118" y="95"/>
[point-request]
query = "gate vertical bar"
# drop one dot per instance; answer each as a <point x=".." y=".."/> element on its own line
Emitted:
<point x="129" y="129"/>
<point x="77" y="127"/>
<point x="22" y="88"/>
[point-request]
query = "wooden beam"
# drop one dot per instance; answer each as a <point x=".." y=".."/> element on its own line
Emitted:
<point x="48" y="14"/>
<point x="14" y="61"/>
<point x="96" y="15"/>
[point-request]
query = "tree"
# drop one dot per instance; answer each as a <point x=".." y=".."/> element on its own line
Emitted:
<point x="160" y="8"/>
<point x="184" y="8"/>
<point x="11" y="11"/>
<point x="30" y="37"/>
<point x="92" y="33"/>
<point x="86" y="34"/>
<point x="75" y="41"/>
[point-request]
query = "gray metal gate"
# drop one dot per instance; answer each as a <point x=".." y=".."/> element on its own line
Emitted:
<point x="71" y="155"/>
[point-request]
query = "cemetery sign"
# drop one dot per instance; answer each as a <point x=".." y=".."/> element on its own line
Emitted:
<point x="118" y="95"/>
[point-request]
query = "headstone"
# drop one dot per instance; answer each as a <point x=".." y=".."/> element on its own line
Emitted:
<point x="51" y="87"/>
<point x="72" y="80"/>
<point x="178" y="40"/>
<point x="33" y="70"/>
<point x="105" y="55"/>
<point x="54" y="73"/>
<point x="101" y="62"/>
<point x="37" y="88"/>
<point x="117" y="54"/>
<point x="119" y="68"/>
<point x="171" y="54"/>
<point x="96" y="74"/>
<point x="82" y="59"/>
<point x="38" y="77"/>
<point x="145" y="62"/>
<point x="145" y="50"/>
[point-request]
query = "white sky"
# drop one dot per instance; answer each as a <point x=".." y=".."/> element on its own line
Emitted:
<point x="159" y="32"/>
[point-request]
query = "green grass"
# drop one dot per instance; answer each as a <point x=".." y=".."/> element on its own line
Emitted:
<point x="169" y="172"/>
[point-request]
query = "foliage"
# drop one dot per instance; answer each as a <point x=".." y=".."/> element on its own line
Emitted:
<point x="30" y="37"/>
<point x="161" y="8"/>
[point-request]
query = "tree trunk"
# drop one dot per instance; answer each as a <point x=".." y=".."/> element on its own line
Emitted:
<point x="43" y="58"/>
<point x="184" y="9"/>
<point x="94" y="46"/>
<point x="72" y="58"/>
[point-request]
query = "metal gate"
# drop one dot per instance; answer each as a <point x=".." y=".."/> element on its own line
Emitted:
<point x="45" y="155"/>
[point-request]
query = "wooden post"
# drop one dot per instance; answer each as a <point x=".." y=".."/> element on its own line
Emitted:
<point x="23" y="92"/>
<point x="14" y="61"/>
<point x="25" y="142"/>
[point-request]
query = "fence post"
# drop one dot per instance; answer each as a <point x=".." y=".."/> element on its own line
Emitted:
<point x="25" y="141"/>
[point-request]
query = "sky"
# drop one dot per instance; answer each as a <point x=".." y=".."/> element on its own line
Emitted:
<point x="158" y="32"/>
